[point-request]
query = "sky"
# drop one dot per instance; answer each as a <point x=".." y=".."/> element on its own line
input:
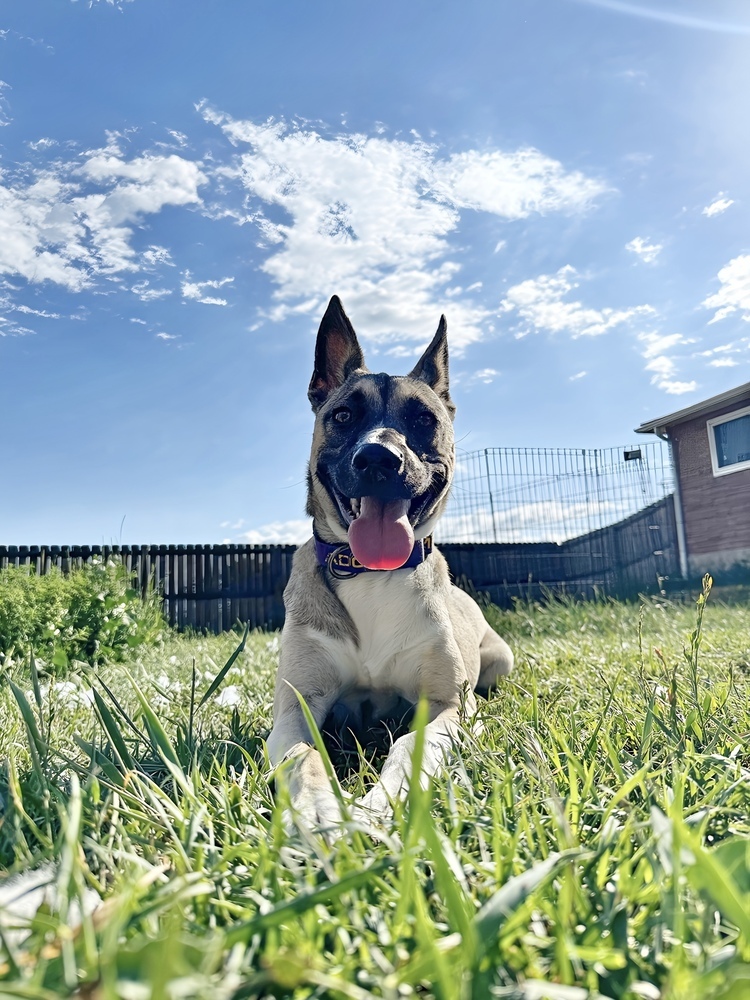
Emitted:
<point x="184" y="185"/>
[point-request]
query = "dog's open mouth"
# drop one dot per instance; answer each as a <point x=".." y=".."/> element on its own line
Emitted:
<point x="381" y="532"/>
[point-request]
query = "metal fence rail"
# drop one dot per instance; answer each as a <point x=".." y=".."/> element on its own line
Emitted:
<point x="552" y="494"/>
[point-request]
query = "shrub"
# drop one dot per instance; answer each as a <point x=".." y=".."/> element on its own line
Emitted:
<point x="90" y="614"/>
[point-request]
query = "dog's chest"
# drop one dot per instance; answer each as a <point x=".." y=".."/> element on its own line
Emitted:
<point x="394" y="629"/>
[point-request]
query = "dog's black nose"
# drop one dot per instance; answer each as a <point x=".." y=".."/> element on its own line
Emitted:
<point x="377" y="458"/>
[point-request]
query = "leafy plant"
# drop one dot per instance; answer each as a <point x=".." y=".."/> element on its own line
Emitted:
<point x="92" y="614"/>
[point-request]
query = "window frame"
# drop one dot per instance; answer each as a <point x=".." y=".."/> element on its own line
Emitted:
<point x="725" y="418"/>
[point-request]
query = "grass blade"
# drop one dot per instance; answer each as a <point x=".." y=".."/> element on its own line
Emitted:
<point x="508" y="899"/>
<point x="225" y="669"/>
<point x="37" y="745"/>
<point x="305" y="901"/>
<point x="156" y="731"/>
<point x="113" y="731"/>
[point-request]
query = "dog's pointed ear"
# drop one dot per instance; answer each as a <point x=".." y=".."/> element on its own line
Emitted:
<point x="432" y="367"/>
<point x="337" y="354"/>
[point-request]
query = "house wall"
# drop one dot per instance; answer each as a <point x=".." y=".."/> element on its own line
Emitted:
<point x="716" y="509"/>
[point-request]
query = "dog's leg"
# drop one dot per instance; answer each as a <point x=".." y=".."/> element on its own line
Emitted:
<point x="440" y="734"/>
<point x="496" y="660"/>
<point x="300" y="766"/>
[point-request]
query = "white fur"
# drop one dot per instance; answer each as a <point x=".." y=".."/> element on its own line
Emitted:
<point x="387" y="658"/>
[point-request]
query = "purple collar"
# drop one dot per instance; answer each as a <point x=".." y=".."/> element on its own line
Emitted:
<point x="342" y="564"/>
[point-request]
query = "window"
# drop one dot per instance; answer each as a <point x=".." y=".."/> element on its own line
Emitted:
<point x="729" y="441"/>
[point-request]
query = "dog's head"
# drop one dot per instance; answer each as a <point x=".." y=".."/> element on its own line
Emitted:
<point x="383" y="453"/>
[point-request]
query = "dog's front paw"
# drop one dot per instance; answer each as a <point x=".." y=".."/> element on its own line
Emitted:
<point x="317" y="810"/>
<point x="374" y="807"/>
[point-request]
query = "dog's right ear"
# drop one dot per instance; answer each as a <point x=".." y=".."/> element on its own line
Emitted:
<point x="337" y="354"/>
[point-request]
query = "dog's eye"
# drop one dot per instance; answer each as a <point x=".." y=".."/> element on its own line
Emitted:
<point x="342" y="415"/>
<point x="425" y="419"/>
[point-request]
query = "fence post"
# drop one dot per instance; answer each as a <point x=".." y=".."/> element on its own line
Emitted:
<point x="489" y="493"/>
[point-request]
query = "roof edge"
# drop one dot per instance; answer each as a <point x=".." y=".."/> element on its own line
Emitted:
<point x="680" y="416"/>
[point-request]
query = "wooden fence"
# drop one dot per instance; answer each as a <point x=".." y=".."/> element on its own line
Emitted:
<point x="212" y="587"/>
<point x="209" y="587"/>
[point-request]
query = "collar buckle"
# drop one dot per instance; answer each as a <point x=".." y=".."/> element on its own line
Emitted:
<point x="342" y="564"/>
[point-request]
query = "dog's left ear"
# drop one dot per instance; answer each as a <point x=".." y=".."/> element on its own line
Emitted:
<point x="337" y="354"/>
<point x="432" y="367"/>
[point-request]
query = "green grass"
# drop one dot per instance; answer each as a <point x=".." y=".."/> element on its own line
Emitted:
<point x="593" y="841"/>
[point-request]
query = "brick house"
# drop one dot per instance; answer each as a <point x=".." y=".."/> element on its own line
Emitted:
<point x="710" y="445"/>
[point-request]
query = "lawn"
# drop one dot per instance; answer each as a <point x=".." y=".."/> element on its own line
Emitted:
<point x="594" y="840"/>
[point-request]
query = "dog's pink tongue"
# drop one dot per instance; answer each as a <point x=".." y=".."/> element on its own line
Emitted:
<point x="381" y="537"/>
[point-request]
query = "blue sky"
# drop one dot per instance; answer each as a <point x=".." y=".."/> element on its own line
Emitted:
<point x="185" y="184"/>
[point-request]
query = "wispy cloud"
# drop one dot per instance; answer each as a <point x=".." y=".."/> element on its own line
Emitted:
<point x="733" y="347"/>
<point x="196" y="290"/>
<point x="734" y="294"/>
<point x="369" y="217"/>
<point x="156" y="256"/>
<point x="5" y="116"/>
<point x="9" y="328"/>
<point x="146" y="293"/>
<point x="278" y="533"/>
<point x="648" y="252"/>
<point x="483" y="376"/>
<point x="718" y="206"/>
<point x="541" y="305"/>
<point x="662" y="366"/>
<point x="671" y="17"/>
<point x="29" y="311"/>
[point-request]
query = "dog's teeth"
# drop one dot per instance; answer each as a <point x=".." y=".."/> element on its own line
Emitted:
<point x="355" y="506"/>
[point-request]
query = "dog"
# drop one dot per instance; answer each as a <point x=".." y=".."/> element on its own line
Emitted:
<point x="372" y="618"/>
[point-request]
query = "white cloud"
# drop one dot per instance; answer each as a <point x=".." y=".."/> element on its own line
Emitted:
<point x="369" y="218"/>
<point x="718" y="206"/>
<point x="156" y="255"/>
<point x="684" y="20"/>
<point x="195" y="290"/>
<point x="28" y="311"/>
<point x="539" y="303"/>
<point x="723" y="363"/>
<point x="5" y="118"/>
<point x="146" y="293"/>
<point x="657" y="343"/>
<point x="72" y="222"/>
<point x="167" y="336"/>
<point x="9" y="328"/>
<point x="279" y="533"/>
<point x="661" y="365"/>
<point x="484" y="376"/>
<point x="648" y="252"/>
<point x="541" y="520"/>
<point x="734" y="294"/>
<point x="43" y="143"/>
<point x="574" y="378"/>
<point x="730" y="348"/>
